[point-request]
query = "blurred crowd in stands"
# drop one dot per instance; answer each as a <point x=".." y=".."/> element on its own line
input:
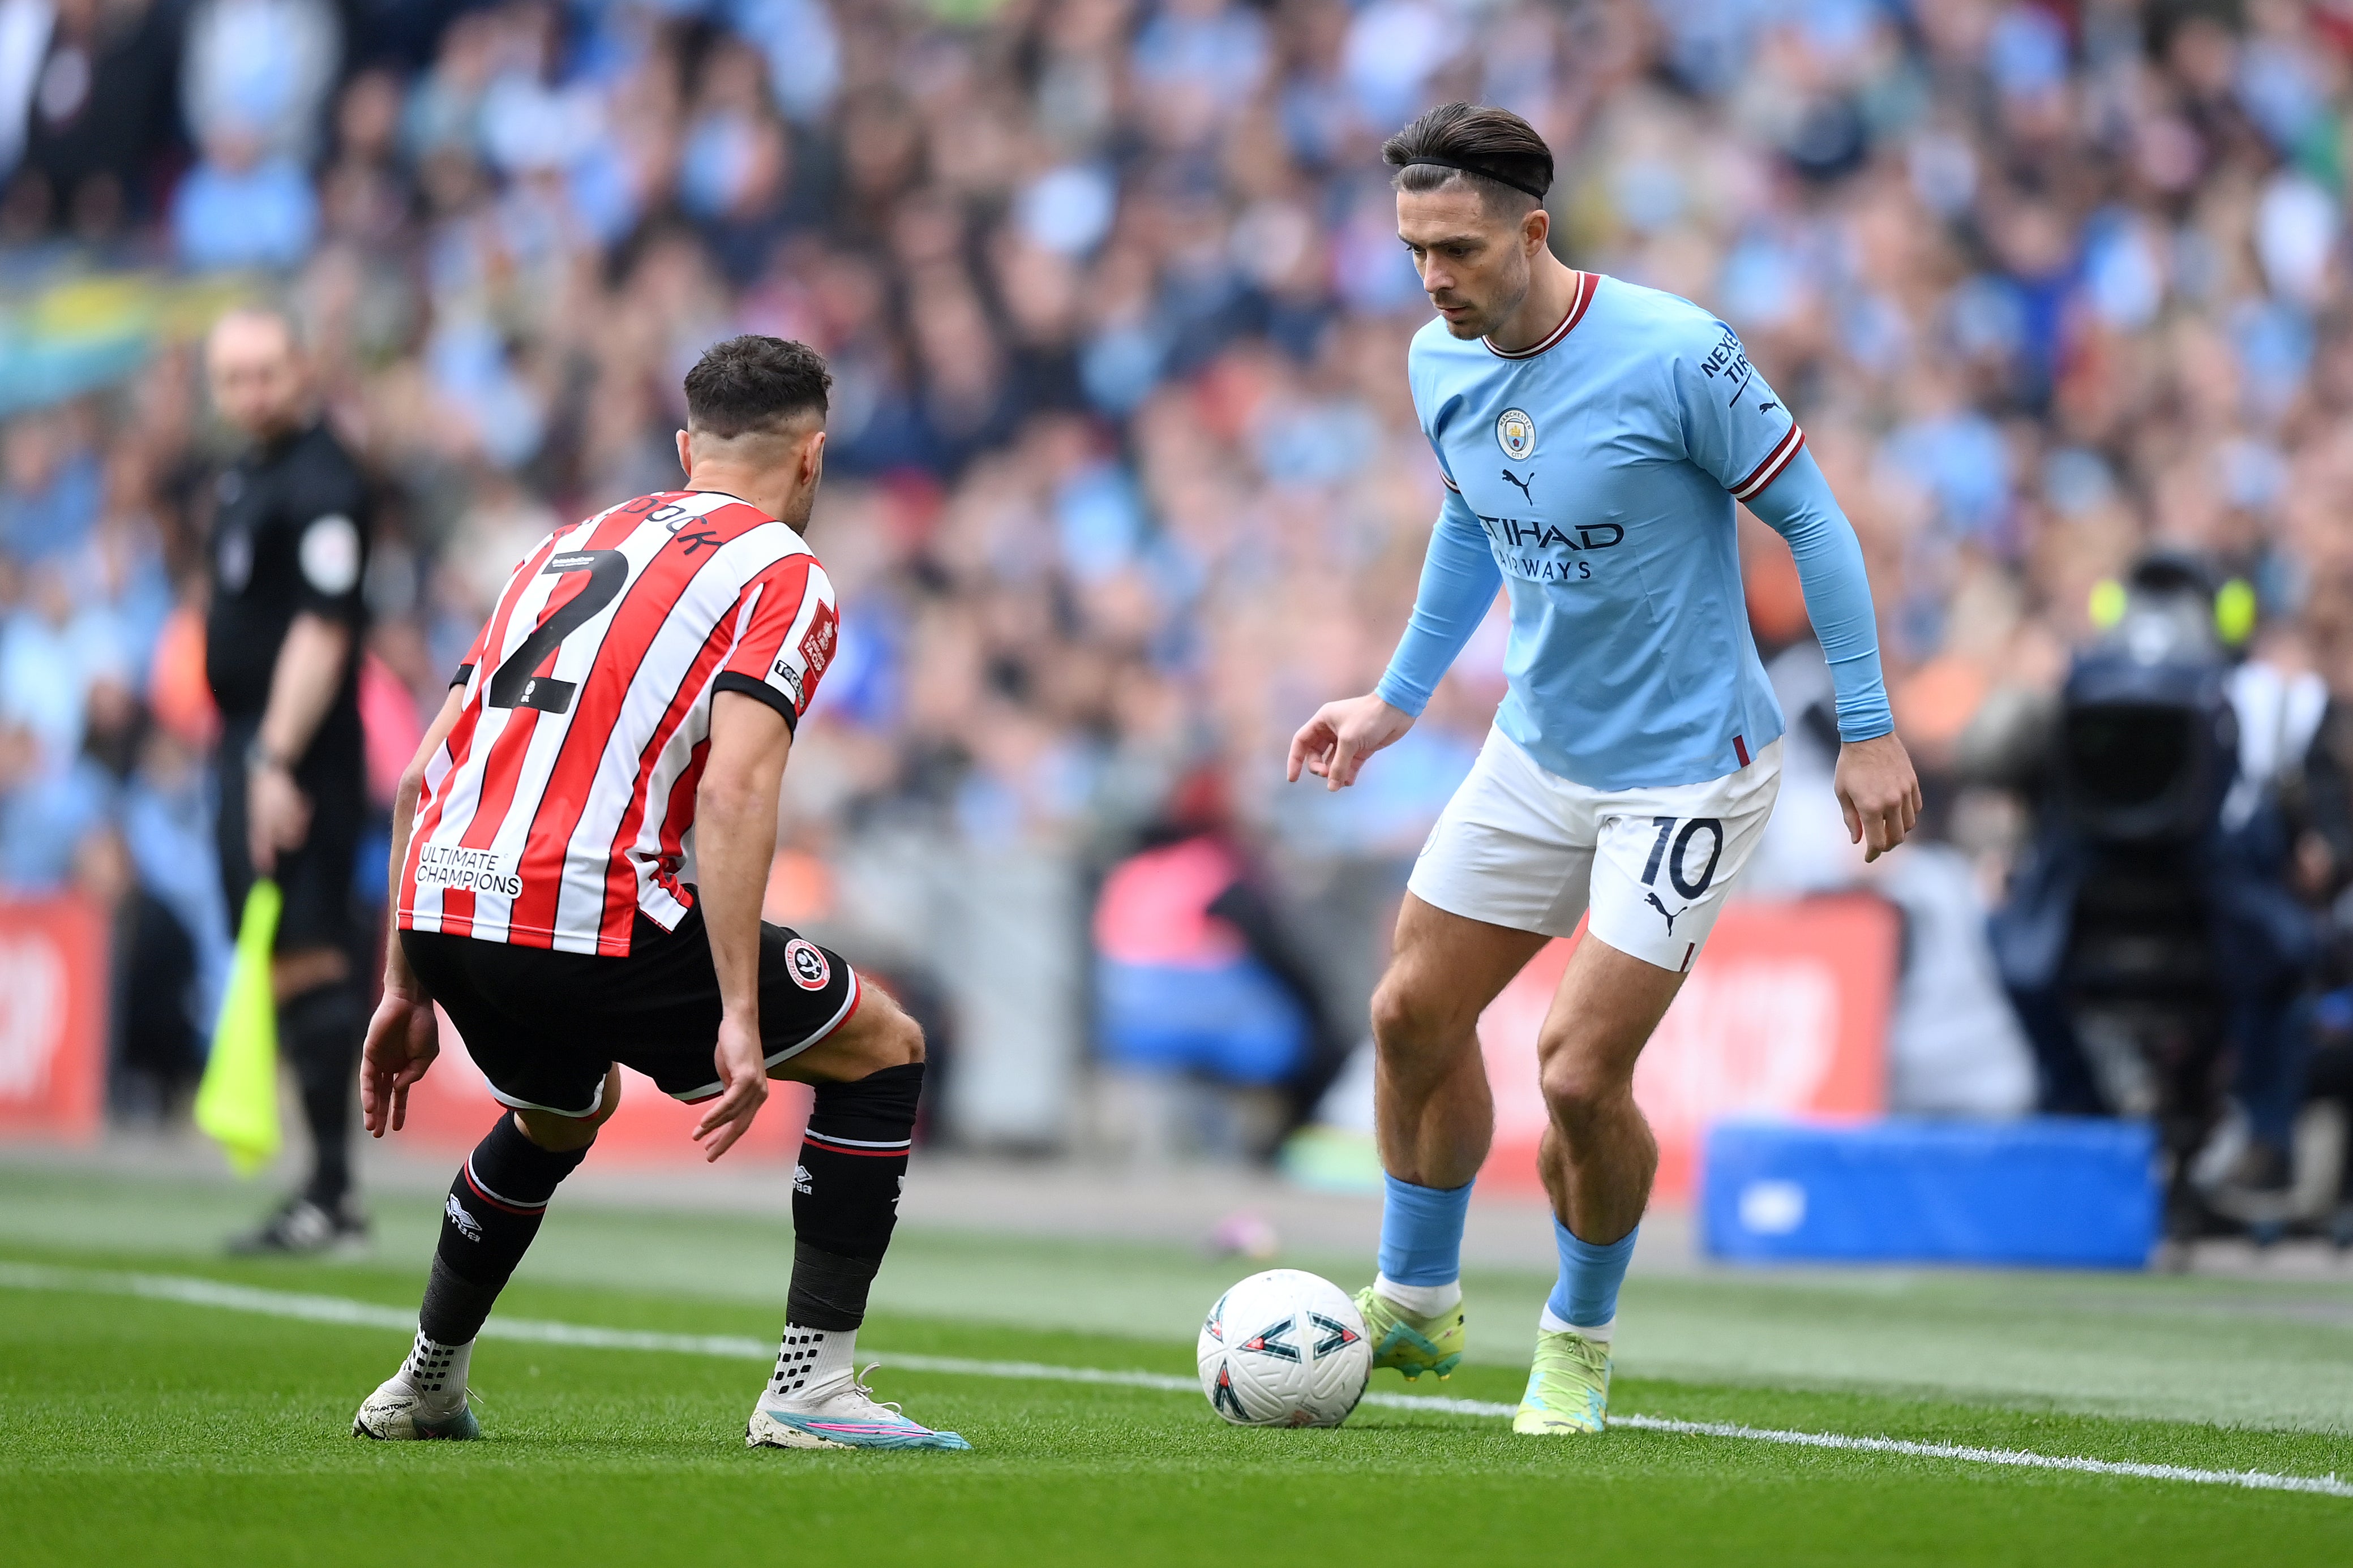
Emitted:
<point x="1124" y="474"/>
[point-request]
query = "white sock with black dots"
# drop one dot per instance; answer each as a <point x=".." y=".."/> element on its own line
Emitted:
<point x="437" y="1371"/>
<point x="810" y="1358"/>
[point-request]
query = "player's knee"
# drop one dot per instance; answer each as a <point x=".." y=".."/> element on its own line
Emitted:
<point x="902" y="1041"/>
<point x="1575" y="1087"/>
<point x="887" y="1037"/>
<point x="1406" y="1019"/>
<point x="562" y="1134"/>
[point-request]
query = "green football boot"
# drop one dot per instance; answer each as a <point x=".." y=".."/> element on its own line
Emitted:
<point x="1568" y="1388"/>
<point x="1407" y="1341"/>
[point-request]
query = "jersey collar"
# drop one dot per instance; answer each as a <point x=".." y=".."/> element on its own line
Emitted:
<point x="1581" y="296"/>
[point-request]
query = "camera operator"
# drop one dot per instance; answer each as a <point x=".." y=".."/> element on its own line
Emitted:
<point x="2152" y="930"/>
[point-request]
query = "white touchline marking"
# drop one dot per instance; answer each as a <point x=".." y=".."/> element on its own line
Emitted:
<point x="190" y="1290"/>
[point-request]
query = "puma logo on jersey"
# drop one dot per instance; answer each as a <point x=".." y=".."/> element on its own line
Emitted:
<point x="1663" y="911"/>
<point x="1766" y="407"/>
<point x="1523" y="484"/>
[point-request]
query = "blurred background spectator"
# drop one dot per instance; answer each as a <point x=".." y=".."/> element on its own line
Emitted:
<point x="1125" y="477"/>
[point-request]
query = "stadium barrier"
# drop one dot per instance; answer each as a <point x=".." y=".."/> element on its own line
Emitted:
<point x="1784" y="1016"/>
<point x="2050" y="1192"/>
<point x="53" y="996"/>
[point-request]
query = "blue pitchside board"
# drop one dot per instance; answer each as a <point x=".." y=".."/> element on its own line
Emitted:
<point x="2054" y="1192"/>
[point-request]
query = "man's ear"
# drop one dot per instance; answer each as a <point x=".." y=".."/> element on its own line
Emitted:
<point x="1536" y="228"/>
<point x="812" y="459"/>
<point x="685" y="454"/>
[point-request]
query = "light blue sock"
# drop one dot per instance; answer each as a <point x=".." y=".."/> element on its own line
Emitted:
<point x="1422" y="1232"/>
<point x="1586" y="1293"/>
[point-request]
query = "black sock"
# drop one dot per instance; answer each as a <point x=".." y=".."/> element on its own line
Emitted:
<point x="320" y="1031"/>
<point x="845" y="1194"/>
<point x="494" y="1209"/>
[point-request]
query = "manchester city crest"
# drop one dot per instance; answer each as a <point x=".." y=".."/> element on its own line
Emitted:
<point x="1517" y="433"/>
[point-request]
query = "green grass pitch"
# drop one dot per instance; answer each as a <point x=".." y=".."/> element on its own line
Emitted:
<point x="167" y="1432"/>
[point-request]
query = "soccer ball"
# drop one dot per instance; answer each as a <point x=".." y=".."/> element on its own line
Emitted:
<point x="1285" y="1349"/>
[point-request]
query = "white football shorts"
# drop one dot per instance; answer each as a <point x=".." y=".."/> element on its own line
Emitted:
<point x="1524" y="847"/>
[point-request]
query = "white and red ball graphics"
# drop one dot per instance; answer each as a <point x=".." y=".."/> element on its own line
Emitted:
<point x="1285" y="1349"/>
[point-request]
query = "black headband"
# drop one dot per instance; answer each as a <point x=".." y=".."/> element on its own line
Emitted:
<point x="1535" y="191"/>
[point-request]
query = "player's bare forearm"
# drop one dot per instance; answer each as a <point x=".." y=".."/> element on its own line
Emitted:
<point x="1878" y="791"/>
<point x="735" y="840"/>
<point x="735" y="837"/>
<point x="403" y="1036"/>
<point x="302" y="684"/>
<point x="397" y="973"/>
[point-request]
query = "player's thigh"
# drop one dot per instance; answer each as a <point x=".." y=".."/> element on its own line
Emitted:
<point x="513" y="1008"/>
<point x="1514" y="848"/>
<point x="1603" y="1013"/>
<point x="1666" y="860"/>
<point x="879" y="1034"/>
<point x="561" y="1134"/>
<point x="665" y="1006"/>
<point x="1444" y="970"/>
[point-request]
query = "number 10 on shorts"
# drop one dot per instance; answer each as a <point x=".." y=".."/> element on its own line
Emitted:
<point x="1674" y="850"/>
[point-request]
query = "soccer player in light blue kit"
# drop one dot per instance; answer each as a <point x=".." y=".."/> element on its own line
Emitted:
<point x="1593" y="437"/>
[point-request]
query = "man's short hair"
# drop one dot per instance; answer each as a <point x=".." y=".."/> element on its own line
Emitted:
<point x="1493" y="151"/>
<point x="754" y="383"/>
<point x="283" y="316"/>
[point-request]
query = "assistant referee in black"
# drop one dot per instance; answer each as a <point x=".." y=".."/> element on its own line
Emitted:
<point x="281" y="648"/>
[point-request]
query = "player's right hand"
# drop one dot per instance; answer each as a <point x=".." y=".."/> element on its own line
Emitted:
<point x="1335" y="744"/>
<point x="402" y="1038"/>
<point x="743" y="1066"/>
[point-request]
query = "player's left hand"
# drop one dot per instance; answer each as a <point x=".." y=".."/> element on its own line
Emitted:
<point x="402" y="1038"/>
<point x="1878" y="791"/>
<point x="277" y="817"/>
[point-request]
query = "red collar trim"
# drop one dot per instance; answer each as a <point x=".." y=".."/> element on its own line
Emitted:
<point x="1586" y="282"/>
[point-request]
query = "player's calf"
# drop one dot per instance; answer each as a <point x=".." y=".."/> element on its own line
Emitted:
<point x="845" y="1206"/>
<point x="488" y="1221"/>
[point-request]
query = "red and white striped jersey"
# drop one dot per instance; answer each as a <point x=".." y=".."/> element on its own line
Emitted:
<point x="562" y="803"/>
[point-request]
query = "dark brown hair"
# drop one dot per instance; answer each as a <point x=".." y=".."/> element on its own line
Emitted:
<point x="1494" y="150"/>
<point x="754" y="383"/>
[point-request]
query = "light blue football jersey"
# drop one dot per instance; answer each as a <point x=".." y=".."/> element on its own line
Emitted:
<point x="1596" y="471"/>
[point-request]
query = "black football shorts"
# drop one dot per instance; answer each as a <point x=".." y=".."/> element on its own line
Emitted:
<point x="316" y="877"/>
<point x="546" y="1027"/>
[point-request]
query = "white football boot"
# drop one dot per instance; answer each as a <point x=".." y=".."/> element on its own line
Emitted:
<point x="838" y="1413"/>
<point x="426" y="1400"/>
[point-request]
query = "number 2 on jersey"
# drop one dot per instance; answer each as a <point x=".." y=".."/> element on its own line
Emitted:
<point x="513" y="684"/>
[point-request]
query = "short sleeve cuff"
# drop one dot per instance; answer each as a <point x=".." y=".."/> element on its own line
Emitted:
<point x="735" y="680"/>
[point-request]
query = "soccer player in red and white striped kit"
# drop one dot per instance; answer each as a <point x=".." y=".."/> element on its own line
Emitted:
<point x="579" y="853"/>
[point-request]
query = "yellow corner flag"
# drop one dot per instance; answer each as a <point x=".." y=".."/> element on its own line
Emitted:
<point x="236" y="1105"/>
